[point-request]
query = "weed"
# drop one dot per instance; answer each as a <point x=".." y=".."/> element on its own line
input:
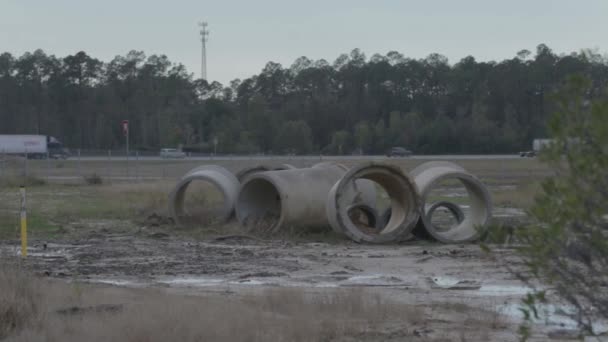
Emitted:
<point x="17" y="181"/>
<point x="19" y="298"/>
<point x="93" y="179"/>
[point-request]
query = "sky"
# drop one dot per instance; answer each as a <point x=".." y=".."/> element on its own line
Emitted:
<point x="245" y="35"/>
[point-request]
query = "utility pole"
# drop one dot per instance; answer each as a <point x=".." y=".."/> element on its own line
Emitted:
<point x="204" y="36"/>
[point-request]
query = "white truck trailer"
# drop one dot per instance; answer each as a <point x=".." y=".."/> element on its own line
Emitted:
<point x="32" y="146"/>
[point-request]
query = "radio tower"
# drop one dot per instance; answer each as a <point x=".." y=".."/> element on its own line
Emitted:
<point x="204" y="36"/>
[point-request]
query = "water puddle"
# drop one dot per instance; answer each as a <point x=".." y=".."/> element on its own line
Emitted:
<point x="192" y="281"/>
<point x="503" y="290"/>
<point x="448" y="283"/>
<point x="551" y="315"/>
<point x="119" y="282"/>
<point x="508" y="212"/>
<point x="478" y="288"/>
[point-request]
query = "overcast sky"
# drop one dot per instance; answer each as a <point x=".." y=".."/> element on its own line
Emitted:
<point x="247" y="34"/>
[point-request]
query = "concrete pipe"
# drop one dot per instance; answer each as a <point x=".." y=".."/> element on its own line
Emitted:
<point x="403" y="195"/>
<point x="364" y="215"/>
<point x="272" y="200"/>
<point x="453" y="208"/>
<point x="217" y="176"/>
<point x="472" y="226"/>
<point x="244" y="174"/>
<point x="362" y="194"/>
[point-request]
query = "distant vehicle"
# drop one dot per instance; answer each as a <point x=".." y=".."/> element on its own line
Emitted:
<point x="32" y="146"/>
<point x="539" y="144"/>
<point x="527" y="154"/>
<point x="398" y="152"/>
<point x="167" y="153"/>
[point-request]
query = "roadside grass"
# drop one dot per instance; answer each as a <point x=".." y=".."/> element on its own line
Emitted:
<point x="522" y="196"/>
<point x="52" y="207"/>
<point x="39" y="226"/>
<point x="17" y="181"/>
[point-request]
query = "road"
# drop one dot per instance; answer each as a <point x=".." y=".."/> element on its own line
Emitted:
<point x="284" y="158"/>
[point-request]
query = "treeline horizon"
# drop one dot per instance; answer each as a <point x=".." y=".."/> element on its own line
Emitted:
<point x="352" y="105"/>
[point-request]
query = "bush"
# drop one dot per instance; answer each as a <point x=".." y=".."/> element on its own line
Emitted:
<point x="568" y="244"/>
<point x="93" y="179"/>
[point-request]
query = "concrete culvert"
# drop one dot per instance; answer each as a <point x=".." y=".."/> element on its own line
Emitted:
<point x="220" y="178"/>
<point x="244" y="174"/>
<point x="404" y="204"/>
<point x="271" y="200"/>
<point x="473" y="225"/>
<point x="364" y="216"/>
<point x="453" y="209"/>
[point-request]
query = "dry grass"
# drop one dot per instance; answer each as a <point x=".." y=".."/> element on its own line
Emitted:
<point x="17" y="181"/>
<point x="521" y="197"/>
<point x="19" y="298"/>
<point x="35" y="310"/>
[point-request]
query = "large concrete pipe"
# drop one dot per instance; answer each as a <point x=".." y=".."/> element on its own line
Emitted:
<point x="452" y="208"/>
<point x="428" y="175"/>
<point x="217" y="176"/>
<point x="272" y="200"/>
<point x="403" y="195"/>
<point x="244" y="174"/>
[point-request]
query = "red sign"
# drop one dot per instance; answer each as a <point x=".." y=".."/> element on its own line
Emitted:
<point x="125" y="127"/>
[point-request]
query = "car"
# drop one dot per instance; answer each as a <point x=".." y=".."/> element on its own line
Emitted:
<point x="167" y="153"/>
<point x="398" y="152"/>
<point x="528" y="154"/>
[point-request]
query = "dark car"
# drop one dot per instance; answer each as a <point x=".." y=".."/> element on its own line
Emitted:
<point x="398" y="152"/>
<point x="528" y="154"/>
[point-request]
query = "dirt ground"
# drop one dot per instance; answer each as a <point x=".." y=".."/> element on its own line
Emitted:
<point x="461" y="292"/>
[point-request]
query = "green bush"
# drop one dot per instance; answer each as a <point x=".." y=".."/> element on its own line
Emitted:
<point x="568" y="244"/>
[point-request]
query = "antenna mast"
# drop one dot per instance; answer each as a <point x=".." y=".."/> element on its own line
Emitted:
<point x="204" y="37"/>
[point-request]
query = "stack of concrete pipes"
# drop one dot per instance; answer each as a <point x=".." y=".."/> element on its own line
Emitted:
<point x="329" y="194"/>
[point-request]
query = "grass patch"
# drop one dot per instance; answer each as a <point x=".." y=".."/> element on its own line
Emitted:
<point x="521" y="197"/>
<point x="37" y="226"/>
<point x="33" y="309"/>
<point x="19" y="298"/>
<point x="93" y="179"/>
<point x="17" y="181"/>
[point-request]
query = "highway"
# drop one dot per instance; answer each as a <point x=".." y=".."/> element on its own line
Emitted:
<point x="287" y="158"/>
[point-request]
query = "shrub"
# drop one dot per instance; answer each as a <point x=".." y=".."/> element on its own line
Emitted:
<point x="93" y="179"/>
<point x="568" y="244"/>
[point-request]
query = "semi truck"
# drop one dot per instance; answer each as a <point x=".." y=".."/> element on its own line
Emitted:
<point x="32" y="146"/>
<point x="537" y="146"/>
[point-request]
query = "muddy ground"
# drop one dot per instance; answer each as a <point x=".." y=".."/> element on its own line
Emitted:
<point x="452" y="284"/>
<point x="463" y="292"/>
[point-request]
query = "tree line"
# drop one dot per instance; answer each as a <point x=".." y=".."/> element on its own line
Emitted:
<point x="353" y="105"/>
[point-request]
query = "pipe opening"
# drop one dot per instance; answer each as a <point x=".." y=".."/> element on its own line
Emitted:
<point x="200" y="203"/>
<point x="444" y="215"/>
<point x="364" y="217"/>
<point x="465" y="203"/>
<point x="259" y="206"/>
<point x="400" y="195"/>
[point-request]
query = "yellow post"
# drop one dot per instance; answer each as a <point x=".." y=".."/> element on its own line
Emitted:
<point x="23" y="224"/>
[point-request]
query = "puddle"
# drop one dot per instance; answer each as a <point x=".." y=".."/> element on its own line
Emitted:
<point x="118" y="282"/>
<point x="51" y="252"/>
<point x="503" y="290"/>
<point x="448" y="283"/>
<point x="476" y="287"/>
<point x="192" y="281"/>
<point x="373" y="280"/>
<point x="508" y="212"/>
<point x="551" y="315"/>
